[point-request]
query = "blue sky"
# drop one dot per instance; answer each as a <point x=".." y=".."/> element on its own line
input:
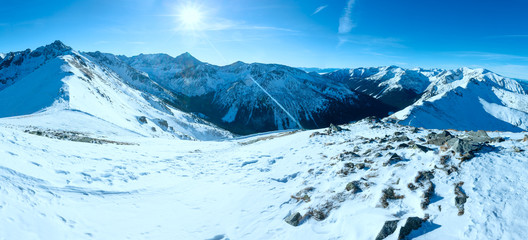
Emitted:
<point x="308" y="33"/>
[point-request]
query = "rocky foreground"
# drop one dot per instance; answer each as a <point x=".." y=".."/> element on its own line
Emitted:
<point x="368" y="180"/>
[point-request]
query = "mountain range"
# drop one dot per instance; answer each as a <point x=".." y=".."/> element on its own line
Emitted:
<point x="156" y="94"/>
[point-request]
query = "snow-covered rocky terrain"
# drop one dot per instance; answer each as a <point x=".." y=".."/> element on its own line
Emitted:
<point x="331" y="184"/>
<point x="98" y="146"/>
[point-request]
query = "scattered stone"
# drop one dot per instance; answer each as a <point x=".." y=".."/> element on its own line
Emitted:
<point x="420" y="147"/>
<point x="460" y="198"/>
<point x="317" y="134"/>
<point x="400" y="139"/>
<point x="360" y="166"/>
<point x="444" y="159"/>
<point x="353" y="187"/>
<point x="322" y="211"/>
<point x="403" y="145"/>
<point x="293" y="219"/>
<point x="414" y="130"/>
<point x="480" y="136"/>
<point x="498" y="140"/>
<point x="412" y="223"/>
<point x="395" y="158"/>
<point x="517" y="149"/>
<point x="388" y="228"/>
<point x="318" y="215"/>
<point x="398" y="133"/>
<point x="333" y="129"/>
<point x="427" y="195"/>
<point x="346" y="156"/>
<point x="439" y="139"/>
<point x="389" y="194"/>
<point x="525" y="139"/>
<point x="423" y="176"/>
<point x="142" y="119"/>
<point x="462" y="146"/>
<point x="412" y="186"/>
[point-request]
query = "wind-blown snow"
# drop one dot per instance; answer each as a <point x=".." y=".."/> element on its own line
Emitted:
<point x="241" y="189"/>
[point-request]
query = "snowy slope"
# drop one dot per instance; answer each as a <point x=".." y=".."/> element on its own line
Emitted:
<point x="68" y="81"/>
<point x="393" y="85"/>
<point x="248" y="98"/>
<point x="242" y="189"/>
<point x="470" y="99"/>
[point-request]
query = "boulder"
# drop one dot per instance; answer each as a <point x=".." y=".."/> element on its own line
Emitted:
<point x="480" y="136"/>
<point x="394" y="158"/>
<point x="388" y="228"/>
<point x="463" y="147"/>
<point x="412" y="223"/>
<point x="440" y="138"/>
<point x="353" y="187"/>
<point x="293" y="219"/>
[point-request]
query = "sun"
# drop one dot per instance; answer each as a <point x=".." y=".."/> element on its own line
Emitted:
<point x="190" y="17"/>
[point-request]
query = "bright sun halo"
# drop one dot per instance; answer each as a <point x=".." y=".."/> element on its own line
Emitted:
<point x="190" y="17"/>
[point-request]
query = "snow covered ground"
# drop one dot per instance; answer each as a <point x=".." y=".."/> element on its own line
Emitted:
<point x="158" y="188"/>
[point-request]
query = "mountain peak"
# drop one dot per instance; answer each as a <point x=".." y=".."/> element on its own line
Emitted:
<point x="58" y="45"/>
<point x="187" y="60"/>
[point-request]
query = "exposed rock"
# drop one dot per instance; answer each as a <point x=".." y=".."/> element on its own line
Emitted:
<point x="400" y="139"/>
<point x="321" y="212"/>
<point x="333" y="129"/>
<point x="389" y="194"/>
<point x="463" y="147"/>
<point x="293" y="219"/>
<point x="480" y="136"/>
<point x="142" y="119"/>
<point x="353" y="187"/>
<point x="412" y="223"/>
<point x="460" y="198"/>
<point x="412" y="186"/>
<point x="388" y="228"/>
<point x="525" y="139"/>
<point x="517" y="149"/>
<point x="423" y="176"/>
<point x="317" y="134"/>
<point x="395" y="158"/>
<point x="420" y="147"/>
<point x="403" y="145"/>
<point x="427" y="195"/>
<point x="360" y="166"/>
<point x="440" y="138"/>
<point x="346" y="156"/>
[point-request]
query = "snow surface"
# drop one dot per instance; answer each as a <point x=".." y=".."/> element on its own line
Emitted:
<point x="469" y="99"/>
<point x="68" y="81"/>
<point x="241" y="189"/>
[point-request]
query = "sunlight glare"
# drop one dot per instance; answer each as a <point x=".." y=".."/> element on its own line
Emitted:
<point x="190" y="17"/>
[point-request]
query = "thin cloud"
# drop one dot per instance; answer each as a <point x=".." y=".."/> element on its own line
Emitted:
<point x="491" y="56"/>
<point x="345" y="22"/>
<point x="319" y="9"/>
<point x="370" y="41"/>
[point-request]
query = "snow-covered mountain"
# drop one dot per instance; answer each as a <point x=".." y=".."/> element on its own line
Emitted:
<point x="470" y="99"/>
<point x="249" y="98"/>
<point x="392" y="85"/>
<point x="56" y="80"/>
